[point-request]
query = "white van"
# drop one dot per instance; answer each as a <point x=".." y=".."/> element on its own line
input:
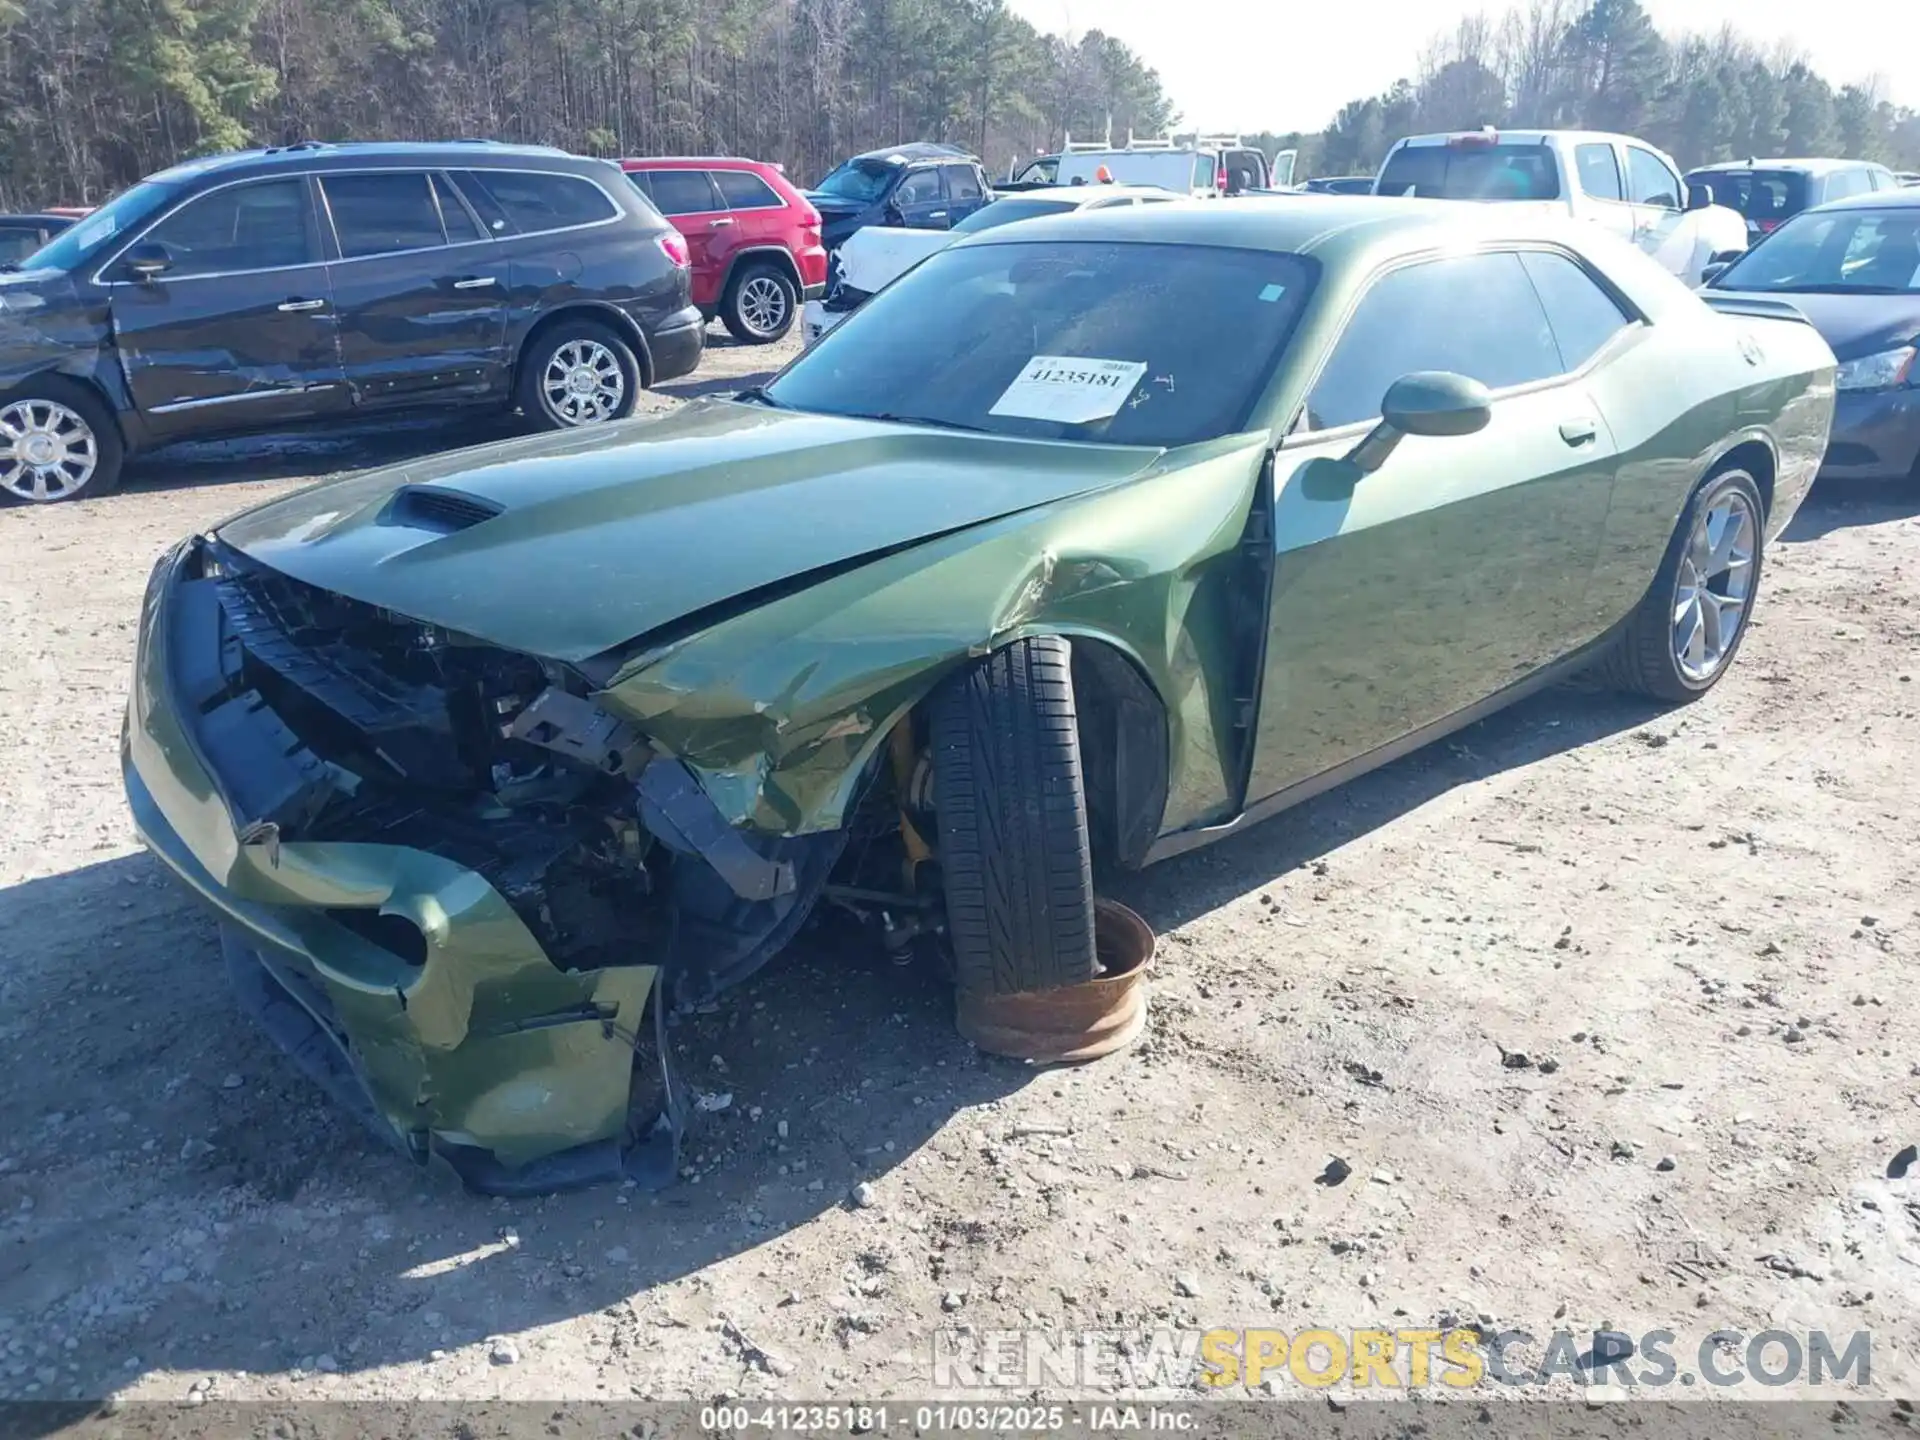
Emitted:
<point x="1206" y="168"/>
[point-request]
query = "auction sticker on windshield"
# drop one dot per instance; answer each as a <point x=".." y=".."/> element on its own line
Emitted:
<point x="1070" y="389"/>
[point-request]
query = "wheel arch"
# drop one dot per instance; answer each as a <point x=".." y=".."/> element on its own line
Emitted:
<point x="740" y="259"/>
<point x="76" y="372"/>
<point x="600" y="313"/>
<point x="1755" y="455"/>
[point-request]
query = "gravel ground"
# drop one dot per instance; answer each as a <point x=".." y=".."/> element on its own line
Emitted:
<point x="1594" y="1015"/>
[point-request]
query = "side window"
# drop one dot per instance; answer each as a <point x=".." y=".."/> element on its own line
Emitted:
<point x="492" y="218"/>
<point x="1649" y="180"/>
<point x="267" y="225"/>
<point x="1582" y="316"/>
<point x="685" y="192"/>
<point x="1842" y="183"/>
<point x="383" y="214"/>
<point x="1475" y="315"/>
<point x="962" y="184"/>
<point x="1599" y="171"/>
<point x="460" y="226"/>
<point x="921" y="187"/>
<point x="743" y="190"/>
<point x="536" y="201"/>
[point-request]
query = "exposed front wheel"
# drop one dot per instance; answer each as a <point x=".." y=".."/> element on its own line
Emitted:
<point x="57" y="442"/>
<point x="760" y="305"/>
<point x="1685" y="633"/>
<point x="1015" y="857"/>
<point x="578" y="373"/>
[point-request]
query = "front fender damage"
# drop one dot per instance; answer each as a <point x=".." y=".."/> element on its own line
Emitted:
<point x="782" y="711"/>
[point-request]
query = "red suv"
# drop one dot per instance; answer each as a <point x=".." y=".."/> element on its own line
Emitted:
<point x="755" y="240"/>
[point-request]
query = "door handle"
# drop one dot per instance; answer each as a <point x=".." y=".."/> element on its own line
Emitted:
<point x="1580" y="431"/>
<point x="938" y="215"/>
<point x="718" y="223"/>
<point x="294" y="307"/>
<point x="475" y="282"/>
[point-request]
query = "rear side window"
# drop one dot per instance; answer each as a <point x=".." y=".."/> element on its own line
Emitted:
<point x="267" y="225"/>
<point x="1582" y="316"/>
<point x="1472" y="171"/>
<point x="460" y="226"/>
<point x="1474" y="315"/>
<point x="1843" y="183"/>
<point x="1599" y="171"/>
<point x="743" y="190"/>
<point x="684" y="192"/>
<point x="383" y="214"/>
<point x="534" y="201"/>
<point x="1760" y="195"/>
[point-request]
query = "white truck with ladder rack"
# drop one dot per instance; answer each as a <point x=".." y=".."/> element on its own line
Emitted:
<point x="1204" y="167"/>
<point x="1616" y="181"/>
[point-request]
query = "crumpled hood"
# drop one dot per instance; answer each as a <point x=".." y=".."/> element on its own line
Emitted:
<point x="879" y="255"/>
<point x="604" y="535"/>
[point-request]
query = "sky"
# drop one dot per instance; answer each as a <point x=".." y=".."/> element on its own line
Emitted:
<point x="1252" y="65"/>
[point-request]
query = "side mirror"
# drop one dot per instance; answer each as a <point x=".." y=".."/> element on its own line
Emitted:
<point x="894" y="214"/>
<point x="1711" y="271"/>
<point x="1427" y="402"/>
<point x="148" y="261"/>
<point x="1699" y="195"/>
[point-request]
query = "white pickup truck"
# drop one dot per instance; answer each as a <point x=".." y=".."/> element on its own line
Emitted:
<point x="1612" y="180"/>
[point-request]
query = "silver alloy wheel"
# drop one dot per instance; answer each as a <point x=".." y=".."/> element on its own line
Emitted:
<point x="47" y="452"/>
<point x="763" y="304"/>
<point x="1714" y="588"/>
<point x="583" y="383"/>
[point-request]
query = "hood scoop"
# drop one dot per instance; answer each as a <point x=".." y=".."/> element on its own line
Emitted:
<point x="443" y="511"/>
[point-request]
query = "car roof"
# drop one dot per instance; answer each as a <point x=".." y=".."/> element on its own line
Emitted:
<point x="1904" y="198"/>
<point x="1502" y="136"/>
<point x="1335" y="229"/>
<point x="317" y="155"/>
<point x="1809" y="166"/>
<point x="916" y="150"/>
<point x="634" y="162"/>
<point x="1087" y="194"/>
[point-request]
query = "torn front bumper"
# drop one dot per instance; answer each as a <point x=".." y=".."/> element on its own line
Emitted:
<point x="476" y="1051"/>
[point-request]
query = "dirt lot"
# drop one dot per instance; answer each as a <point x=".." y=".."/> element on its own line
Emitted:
<point x="1610" y="1012"/>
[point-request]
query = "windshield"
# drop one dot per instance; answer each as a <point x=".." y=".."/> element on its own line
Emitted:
<point x="123" y="212"/>
<point x="1075" y="340"/>
<point x="1868" y="252"/>
<point x="1767" y="196"/>
<point x="862" y="180"/>
<point x="1472" y="172"/>
<point x="1005" y="212"/>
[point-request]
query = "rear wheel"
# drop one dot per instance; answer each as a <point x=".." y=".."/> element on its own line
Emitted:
<point x="760" y="304"/>
<point x="1685" y="633"/>
<point x="57" y="442"/>
<point x="578" y="373"/>
<point x="1015" y="858"/>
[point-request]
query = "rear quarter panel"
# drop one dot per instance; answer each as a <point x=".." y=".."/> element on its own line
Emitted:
<point x="1691" y="389"/>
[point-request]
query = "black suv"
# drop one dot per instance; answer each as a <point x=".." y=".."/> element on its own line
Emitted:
<point x="271" y="288"/>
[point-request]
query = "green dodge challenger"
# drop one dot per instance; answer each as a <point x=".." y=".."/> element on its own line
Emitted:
<point x="1089" y="541"/>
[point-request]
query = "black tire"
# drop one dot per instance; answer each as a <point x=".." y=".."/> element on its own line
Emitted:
<point x="531" y="391"/>
<point x="100" y="429"/>
<point x="1014" y="853"/>
<point x="1641" y="660"/>
<point x="764" y="281"/>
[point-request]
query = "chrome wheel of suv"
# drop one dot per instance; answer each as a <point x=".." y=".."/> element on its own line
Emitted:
<point x="584" y="382"/>
<point x="47" y="451"/>
<point x="761" y="304"/>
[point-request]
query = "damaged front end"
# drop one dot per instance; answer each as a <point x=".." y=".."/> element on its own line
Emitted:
<point x="451" y="885"/>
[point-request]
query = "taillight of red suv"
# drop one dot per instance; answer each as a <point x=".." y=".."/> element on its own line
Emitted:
<point x="674" y="246"/>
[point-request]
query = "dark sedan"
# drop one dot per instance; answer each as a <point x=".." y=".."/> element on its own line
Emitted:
<point x="1853" y="269"/>
<point x="314" y="283"/>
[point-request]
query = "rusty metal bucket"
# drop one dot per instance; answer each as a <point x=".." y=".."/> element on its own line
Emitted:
<point x="1076" y="1022"/>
